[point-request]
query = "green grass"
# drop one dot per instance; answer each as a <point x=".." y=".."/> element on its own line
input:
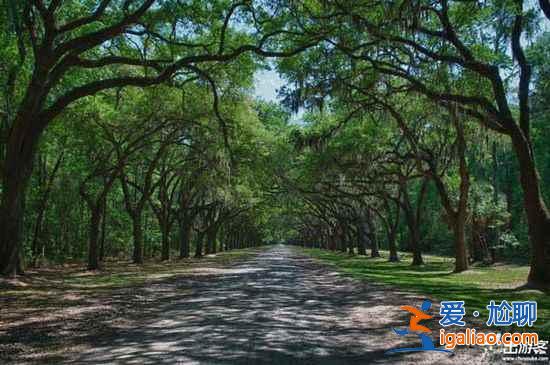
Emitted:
<point x="115" y="275"/>
<point x="435" y="278"/>
<point x="45" y="287"/>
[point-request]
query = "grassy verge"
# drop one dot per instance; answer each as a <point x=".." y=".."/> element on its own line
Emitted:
<point x="44" y="283"/>
<point x="117" y="275"/>
<point x="47" y="312"/>
<point x="476" y="286"/>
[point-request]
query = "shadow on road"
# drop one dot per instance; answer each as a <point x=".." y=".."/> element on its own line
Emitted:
<point x="277" y="308"/>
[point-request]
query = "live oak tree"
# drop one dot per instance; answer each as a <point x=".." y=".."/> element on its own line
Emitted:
<point x="69" y="51"/>
<point x="117" y="145"/>
<point x="433" y="159"/>
<point x="139" y="188"/>
<point x="451" y="39"/>
<point x="482" y="44"/>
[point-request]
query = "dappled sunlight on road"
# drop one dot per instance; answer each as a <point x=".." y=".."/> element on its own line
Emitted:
<point x="278" y="307"/>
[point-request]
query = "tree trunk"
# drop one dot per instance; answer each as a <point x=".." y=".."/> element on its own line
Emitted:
<point x="41" y="177"/>
<point x="461" y="255"/>
<point x="15" y="180"/>
<point x="480" y="249"/>
<point x="394" y="257"/>
<point x="414" y="229"/>
<point x="137" y="232"/>
<point x="212" y="240"/>
<point x="538" y="217"/>
<point x="343" y="239"/>
<point x="11" y="216"/>
<point x="165" y="231"/>
<point x="361" y="235"/>
<point x="374" y="250"/>
<point x="103" y="229"/>
<point x="185" y="238"/>
<point x="415" y="246"/>
<point x="207" y="246"/>
<point x="17" y="168"/>
<point x="210" y="246"/>
<point x="198" y="246"/>
<point x="332" y="240"/>
<point x="165" y="251"/>
<point x="351" y="248"/>
<point x="392" y="226"/>
<point x="233" y="241"/>
<point x="95" y="219"/>
<point x="222" y="243"/>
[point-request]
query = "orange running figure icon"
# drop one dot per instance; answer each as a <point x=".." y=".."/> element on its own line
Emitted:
<point x="417" y="316"/>
<point x="417" y="329"/>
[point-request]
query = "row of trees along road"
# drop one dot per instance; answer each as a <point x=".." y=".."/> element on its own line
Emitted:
<point x="137" y="114"/>
<point x="58" y="54"/>
<point x="432" y="70"/>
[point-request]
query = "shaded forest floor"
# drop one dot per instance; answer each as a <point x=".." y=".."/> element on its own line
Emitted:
<point x="50" y="308"/>
<point x="476" y="286"/>
<point x="270" y="305"/>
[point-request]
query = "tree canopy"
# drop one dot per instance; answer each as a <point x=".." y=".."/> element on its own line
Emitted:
<point x="130" y="129"/>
